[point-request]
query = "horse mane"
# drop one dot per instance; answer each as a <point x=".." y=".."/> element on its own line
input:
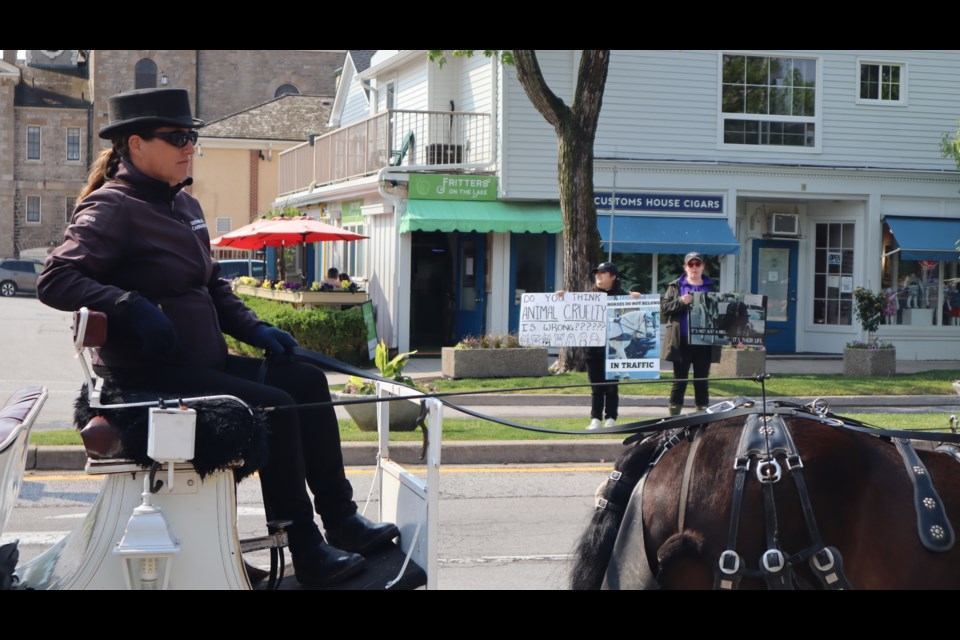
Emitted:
<point x="594" y="548"/>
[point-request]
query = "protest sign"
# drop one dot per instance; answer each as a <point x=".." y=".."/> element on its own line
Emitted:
<point x="633" y="337"/>
<point x="728" y="319"/>
<point x="576" y="320"/>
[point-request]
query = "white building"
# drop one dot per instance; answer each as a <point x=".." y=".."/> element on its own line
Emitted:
<point x="803" y="174"/>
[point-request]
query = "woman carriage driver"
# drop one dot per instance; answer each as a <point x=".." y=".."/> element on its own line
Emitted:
<point x="675" y="310"/>
<point x="138" y="250"/>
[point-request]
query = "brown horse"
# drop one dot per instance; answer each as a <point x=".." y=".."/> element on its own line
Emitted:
<point x="859" y="494"/>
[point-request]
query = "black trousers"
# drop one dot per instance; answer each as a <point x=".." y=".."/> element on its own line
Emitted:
<point x="602" y="395"/>
<point x="697" y="355"/>
<point x="304" y="444"/>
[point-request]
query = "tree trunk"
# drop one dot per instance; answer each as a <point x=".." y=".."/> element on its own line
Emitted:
<point x="576" y="128"/>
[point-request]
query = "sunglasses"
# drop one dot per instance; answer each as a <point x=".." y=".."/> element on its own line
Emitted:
<point x="694" y="263"/>
<point x="179" y="139"/>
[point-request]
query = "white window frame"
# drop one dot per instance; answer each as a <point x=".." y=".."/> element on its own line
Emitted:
<point x="39" y="131"/>
<point x="79" y="145"/>
<point x="816" y="119"/>
<point x="902" y="102"/>
<point x="355" y="252"/>
<point x="26" y="215"/>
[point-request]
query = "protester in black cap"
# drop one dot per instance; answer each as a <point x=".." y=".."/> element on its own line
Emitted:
<point x="675" y="309"/>
<point x="138" y="249"/>
<point x="604" y="398"/>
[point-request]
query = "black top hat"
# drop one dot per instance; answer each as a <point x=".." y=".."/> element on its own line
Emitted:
<point x="144" y="109"/>
<point x="607" y="267"/>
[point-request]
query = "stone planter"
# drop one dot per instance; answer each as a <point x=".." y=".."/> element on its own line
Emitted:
<point x="494" y="363"/>
<point x="735" y="363"/>
<point x="869" y="362"/>
<point x="403" y="414"/>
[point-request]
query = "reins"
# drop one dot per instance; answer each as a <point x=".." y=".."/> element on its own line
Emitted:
<point x="741" y="406"/>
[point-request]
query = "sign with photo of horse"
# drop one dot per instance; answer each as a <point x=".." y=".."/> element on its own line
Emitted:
<point x="575" y="320"/>
<point x="633" y="337"/>
<point x="728" y="319"/>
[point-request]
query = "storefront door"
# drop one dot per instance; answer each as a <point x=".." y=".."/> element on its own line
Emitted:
<point x="775" y="276"/>
<point x="533" y="258"/>
<point x="471" y="284"/>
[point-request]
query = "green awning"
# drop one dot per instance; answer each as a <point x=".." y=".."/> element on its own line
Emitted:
<point x="500" y="217"/>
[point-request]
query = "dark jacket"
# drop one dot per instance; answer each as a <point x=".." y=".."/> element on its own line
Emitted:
<point x="136" y="233"/>
<point x="671" y="310"/>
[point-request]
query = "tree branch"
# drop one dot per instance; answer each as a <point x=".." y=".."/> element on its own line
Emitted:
<point x="546" y="101"/>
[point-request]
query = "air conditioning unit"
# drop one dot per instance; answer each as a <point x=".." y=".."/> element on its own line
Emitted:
<point x="784" y="224"/>
<point x="444" y="153"/>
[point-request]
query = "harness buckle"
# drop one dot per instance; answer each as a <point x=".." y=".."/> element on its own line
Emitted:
<point x="828" y="560"/>
<point x="794" y="462"/>
<point x="773" y="560"/>
<point x="615" y="475"/>
<point x="729" y="562"/>
<point x="742" y="463"/>
<point x="768" y="471"/>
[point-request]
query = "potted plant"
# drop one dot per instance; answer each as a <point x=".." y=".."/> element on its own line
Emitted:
<point x="870" y="357"/>
<point x="493" y="356"/>
<point x="740" y="360"/>
<point x="403" y="414"/>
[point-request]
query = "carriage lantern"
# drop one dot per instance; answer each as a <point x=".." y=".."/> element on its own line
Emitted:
<point x="147" y="547"/>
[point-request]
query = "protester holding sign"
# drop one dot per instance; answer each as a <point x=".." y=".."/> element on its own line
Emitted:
<point x="604" y="398"/>
<point x="675" y="310"/>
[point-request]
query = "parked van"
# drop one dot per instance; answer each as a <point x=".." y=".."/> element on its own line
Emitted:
<point x="230" y="269"/>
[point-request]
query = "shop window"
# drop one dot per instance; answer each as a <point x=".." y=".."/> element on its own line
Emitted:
<point x="355" y="253"/>
<point x="920" y="293"/>
<point x="833" y="273"/>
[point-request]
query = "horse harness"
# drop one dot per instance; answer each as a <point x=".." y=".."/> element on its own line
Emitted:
<point x="764" y="438"/>
<point x="767" y="447"/>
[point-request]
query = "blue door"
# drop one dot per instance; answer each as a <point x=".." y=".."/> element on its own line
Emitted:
<point x="533" y="258"/>
<point x="471" y="284"/>
<point x="775" y="275"/>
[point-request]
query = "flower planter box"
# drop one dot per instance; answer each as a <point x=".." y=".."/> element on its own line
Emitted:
<point x="494" y="363"/>
<point x="403" y="414"/>
<point x="869" y="362"/>
<point x="735" y="363"/>
<point x="304" y="298"/>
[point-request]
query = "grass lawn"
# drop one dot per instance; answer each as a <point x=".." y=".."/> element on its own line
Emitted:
<point x="470" y="429"/>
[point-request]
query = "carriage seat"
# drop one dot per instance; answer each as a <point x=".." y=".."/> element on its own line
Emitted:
<point x="16" y="420"/>
<point x="114" y="429"/>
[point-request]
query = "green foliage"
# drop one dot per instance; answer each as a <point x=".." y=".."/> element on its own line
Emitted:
<point x="490" y="341"/>
<point x="390" y="368"/>
<point x="440" y="55"/>
<point x="335" y="333"/>
<point x="869" y="308"/>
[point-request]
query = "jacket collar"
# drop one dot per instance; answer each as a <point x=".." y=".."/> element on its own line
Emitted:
<point x="150" y="188"/>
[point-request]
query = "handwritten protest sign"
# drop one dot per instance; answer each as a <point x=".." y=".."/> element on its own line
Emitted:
<point x="576" y="320"/>
<point x="633" y="337"/>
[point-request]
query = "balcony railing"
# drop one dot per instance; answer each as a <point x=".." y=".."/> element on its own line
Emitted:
<point x="395" y="137"/>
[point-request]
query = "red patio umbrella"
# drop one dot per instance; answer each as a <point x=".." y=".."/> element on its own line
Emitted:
<point x="283" y="232"/>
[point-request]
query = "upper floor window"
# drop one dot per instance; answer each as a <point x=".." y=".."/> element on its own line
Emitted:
<point x="145" y="74"/>
<point x="882" y="82"/>
<point x="286" y="89"/>
<point x="33" y="143"/>
<point x="73" y="144"/>
<point x="769" y="100"/>
<point x="33" y="209"/>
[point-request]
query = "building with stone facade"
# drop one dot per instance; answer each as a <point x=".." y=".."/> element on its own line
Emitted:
<point x="53" y="104"/>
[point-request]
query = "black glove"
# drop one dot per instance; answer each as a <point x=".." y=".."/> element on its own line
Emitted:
<point x="273" y="340"/>
<point x="147" y="320"/>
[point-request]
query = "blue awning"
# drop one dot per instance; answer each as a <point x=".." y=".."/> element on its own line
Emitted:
<point x="925" y="238"/>
<point x="648" y="234"/>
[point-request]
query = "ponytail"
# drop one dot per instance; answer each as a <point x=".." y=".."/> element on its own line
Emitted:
<point x="105" y="166"/>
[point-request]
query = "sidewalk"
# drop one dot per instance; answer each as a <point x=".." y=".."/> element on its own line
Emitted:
<point x="587" y="449"/>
